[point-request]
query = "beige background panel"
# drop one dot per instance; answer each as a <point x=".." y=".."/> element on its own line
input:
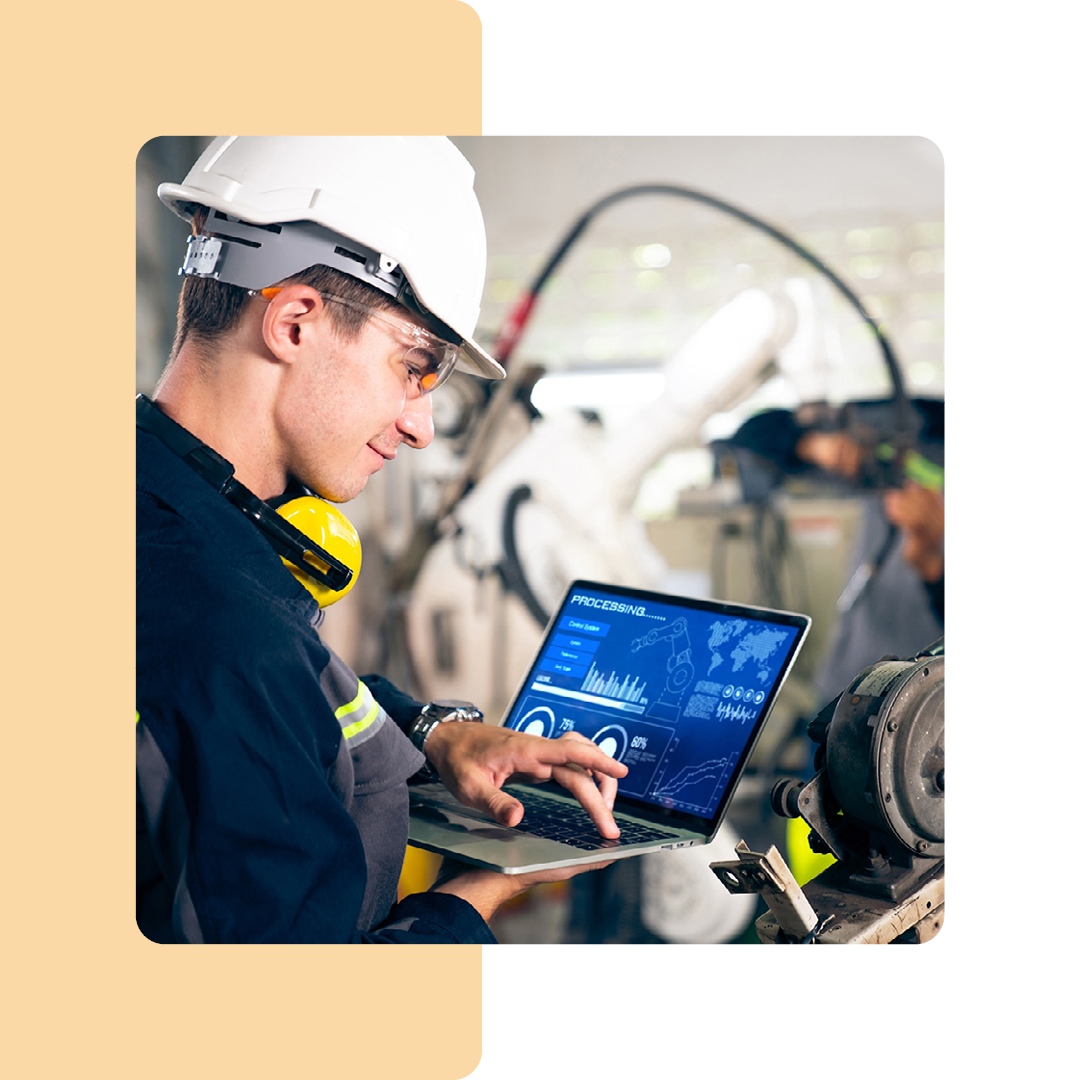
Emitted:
<point x="88" y="88"/>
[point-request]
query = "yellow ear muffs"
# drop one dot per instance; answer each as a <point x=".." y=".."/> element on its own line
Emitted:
<point x="328" y="527"/>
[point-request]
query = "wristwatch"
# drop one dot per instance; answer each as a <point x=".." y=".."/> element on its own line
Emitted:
<point x="441" y="712"/>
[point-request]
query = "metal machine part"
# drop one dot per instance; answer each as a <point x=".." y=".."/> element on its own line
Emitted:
<point x="826" y="911"/>
<point x="877" y="804"/>
<point x="885" y="754"/>
<point x="768" y="874"/>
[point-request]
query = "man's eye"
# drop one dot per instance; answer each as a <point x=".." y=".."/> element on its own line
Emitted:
<point x="423" y="359"/>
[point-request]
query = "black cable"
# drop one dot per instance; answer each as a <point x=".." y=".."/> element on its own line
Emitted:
<point x="866" y="571"/>
<point x="515" y="326"/>
<point x="760" y="557"/>
<point x="770" y="552"/>
<point x="511" y="569"/>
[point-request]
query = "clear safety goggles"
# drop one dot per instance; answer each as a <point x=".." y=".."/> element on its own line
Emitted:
<point x="429" y="359"/>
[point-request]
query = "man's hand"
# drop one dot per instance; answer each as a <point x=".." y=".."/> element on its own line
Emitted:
<point x="920" y="514"/>
<point x="488" y="890"/>
<point x="475" y="760"/>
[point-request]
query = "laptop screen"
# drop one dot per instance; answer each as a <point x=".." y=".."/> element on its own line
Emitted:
<point x="675" y="688"/>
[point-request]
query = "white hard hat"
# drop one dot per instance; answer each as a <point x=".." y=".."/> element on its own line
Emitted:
<point x="397" y="212"/>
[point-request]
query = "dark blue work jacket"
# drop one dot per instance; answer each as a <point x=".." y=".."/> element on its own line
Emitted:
<point x="272" y="804"/>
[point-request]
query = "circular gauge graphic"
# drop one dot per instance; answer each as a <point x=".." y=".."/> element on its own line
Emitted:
<point x="613" y="740"/>
<point x="759" y="697"/>
<point x="538" y="721"/>
<point x="729" y="690"/>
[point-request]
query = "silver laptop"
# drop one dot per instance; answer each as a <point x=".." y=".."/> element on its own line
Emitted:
<point x="678" y="689"/>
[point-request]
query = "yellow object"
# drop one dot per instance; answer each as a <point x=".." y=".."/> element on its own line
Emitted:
<point x="419" y="871"/>
<point x="324" y="523"/>
<point x="363" y="703"/>
<point x="805" y="864"/>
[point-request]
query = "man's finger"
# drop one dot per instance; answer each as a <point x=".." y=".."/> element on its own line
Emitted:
<point x="580" y="751"/>
<point x="584" y="789"/>
<point x="607" y="786"/>
<point x="602" y="783"/>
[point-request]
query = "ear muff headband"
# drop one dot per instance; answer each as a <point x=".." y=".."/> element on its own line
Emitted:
<point x="330" y="577"/>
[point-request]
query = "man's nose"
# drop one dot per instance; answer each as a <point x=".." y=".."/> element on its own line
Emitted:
<point x="415" y="423"/>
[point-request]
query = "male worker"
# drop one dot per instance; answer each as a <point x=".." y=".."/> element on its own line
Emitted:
<point x="331" y="283"/>
<point x="900" y="608"/>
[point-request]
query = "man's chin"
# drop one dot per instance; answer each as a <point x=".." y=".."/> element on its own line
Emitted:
<point x="350" y="493"/>
<point x="341" y="493"/>
<point x="357" y="488"/>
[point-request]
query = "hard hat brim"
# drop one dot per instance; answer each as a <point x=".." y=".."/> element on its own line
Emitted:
<point x="474" y="360"/>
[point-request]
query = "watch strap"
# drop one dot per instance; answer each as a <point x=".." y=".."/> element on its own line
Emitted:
<point x="439" y="712"/>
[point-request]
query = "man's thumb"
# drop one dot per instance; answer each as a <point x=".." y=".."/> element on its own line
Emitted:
<point x="504" y="808"/>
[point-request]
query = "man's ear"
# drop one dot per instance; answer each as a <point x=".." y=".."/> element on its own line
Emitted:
<point x="293" y="313"/>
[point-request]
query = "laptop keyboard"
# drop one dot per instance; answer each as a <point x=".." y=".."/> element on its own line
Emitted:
<point x="553" y="820"/>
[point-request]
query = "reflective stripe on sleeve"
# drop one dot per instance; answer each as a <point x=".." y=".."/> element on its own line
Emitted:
<point x="365" y="704"/>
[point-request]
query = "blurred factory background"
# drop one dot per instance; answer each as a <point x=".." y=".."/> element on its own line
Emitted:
<point x="618" y="447"/>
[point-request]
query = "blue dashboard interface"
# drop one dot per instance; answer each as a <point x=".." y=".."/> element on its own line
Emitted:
<point x="673" y="692"/>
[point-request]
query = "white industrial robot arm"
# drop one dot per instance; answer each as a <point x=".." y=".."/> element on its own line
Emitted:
<point x="578" y="522"/>
<point x="589" y="477"/>
<point x="717" y="368"/>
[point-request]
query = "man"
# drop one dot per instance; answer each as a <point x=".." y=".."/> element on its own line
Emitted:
<point x="331" y="284"/>
<point x="895" y="601"/>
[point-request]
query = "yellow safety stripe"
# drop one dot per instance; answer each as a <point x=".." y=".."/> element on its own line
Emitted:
<point x="358" y="725"/>
<point x="361" y="699"/>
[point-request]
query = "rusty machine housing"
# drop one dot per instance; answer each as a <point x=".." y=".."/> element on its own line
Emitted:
<point x="876" y="803"/>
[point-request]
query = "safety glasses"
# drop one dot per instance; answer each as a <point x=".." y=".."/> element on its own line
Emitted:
<point x="429" y="359"/>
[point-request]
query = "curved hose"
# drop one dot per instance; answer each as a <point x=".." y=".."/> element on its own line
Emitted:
<point x="518" y="318"/>
<point x="510" y="569"/>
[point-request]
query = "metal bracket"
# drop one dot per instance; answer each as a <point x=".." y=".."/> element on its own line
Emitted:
<point x="202" y="256"/>
<point x="768" y="875"/>
<point x="850" y="916"/>
<point x="811" y="806"/>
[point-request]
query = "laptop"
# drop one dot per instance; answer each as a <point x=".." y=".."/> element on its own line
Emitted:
<point x="676" y="688"/>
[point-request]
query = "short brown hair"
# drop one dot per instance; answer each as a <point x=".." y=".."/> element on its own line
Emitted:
<point x="209" y="308"/>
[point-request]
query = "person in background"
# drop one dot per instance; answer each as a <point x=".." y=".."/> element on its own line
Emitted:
<point x="894" y="602"/>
